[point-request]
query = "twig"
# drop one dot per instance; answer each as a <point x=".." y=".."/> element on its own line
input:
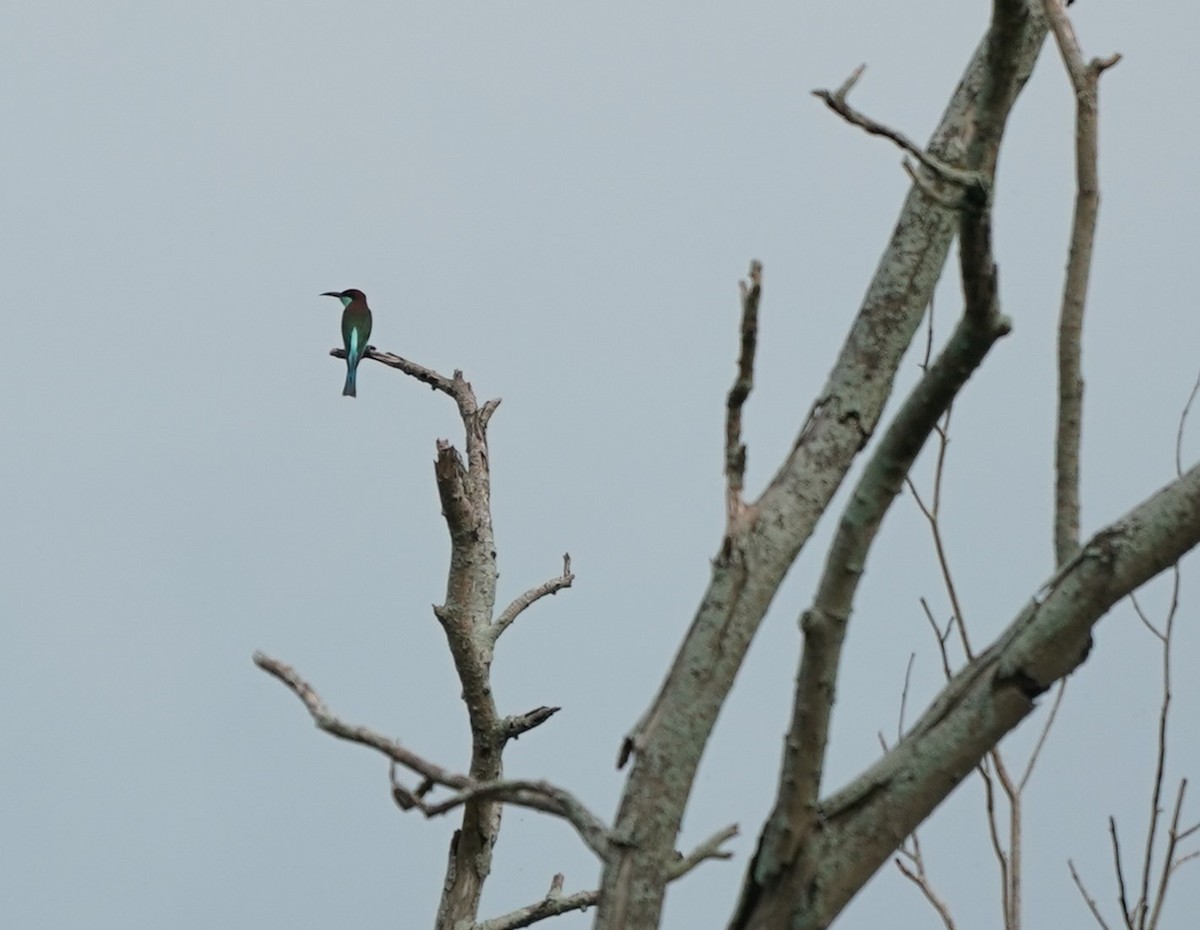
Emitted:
<point x="941" y="636"/>
<point x="989" y="790"/>
<point x="1183" y="418"/>
<point x="920" y="879"/>
<point x="735" y="449"/>
<point x="532" y="596"/>
<point x="912" y="657"/>
<point x="552" y="905"/>
<point x="1087" y="898"/>
<point x="1169" y="855"/>
<point x="836" y="101"/>
<point x="1122" y="897"/>
<point x="1041" y="741"/>
<point x="356" y="734"/>
<point x="556" y="903"/>
<point x="709" y="849"/>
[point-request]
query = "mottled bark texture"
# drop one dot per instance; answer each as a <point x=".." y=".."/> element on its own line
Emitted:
<point x="789" y="885"/>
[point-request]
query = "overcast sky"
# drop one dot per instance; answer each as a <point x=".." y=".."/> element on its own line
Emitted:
<point x="558" y="199"/>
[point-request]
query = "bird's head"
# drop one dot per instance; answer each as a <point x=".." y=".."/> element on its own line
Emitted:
<point x="347" y="296"/>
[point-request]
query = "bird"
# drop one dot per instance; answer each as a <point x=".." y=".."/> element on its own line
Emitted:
<point x="356" y="330"/>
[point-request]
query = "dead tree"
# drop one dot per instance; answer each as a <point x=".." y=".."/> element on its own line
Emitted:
<point x="817" y="847"/>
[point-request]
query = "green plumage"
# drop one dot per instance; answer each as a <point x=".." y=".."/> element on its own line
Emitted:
<point x="356" y="330"/>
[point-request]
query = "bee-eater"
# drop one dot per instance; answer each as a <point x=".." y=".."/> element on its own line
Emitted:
<point x="356" y="330"/>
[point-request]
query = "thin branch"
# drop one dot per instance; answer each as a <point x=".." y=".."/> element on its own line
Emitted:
<point x="1168" y="856"/>
<point x="918" y="878"/>
<point x="1141" y="615"/>
<point x="552" y="905"/>
<point x="356" y="734"/>
<point x="912" y="657"/>
<point x="1122" y="897"/>
<point x="1183" y="418"/>
<point x="836" y="101"/>
<point x="1160" y="773"/>
<point x="535" y="795"/>
<point x="1002" y="861"/>
<point x="709" y="849"/>
<point x="932" y="515"/>
<point x="532" y="596"/>
<point x="1085" y="80"/>
<point x="556" y="903"/>
<point x="1059" y="693"/>
<point x="1087" y="898"/>
<point x="941" y="636"/>
<point x="743" y="384"/>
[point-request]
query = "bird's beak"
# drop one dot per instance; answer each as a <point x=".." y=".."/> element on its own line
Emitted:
<point x="332" y="294"/>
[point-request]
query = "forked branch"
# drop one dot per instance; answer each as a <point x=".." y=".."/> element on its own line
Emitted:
<point x="532" y="596"/>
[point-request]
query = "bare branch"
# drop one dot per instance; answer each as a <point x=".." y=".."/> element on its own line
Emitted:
<point x="1087" y="898"/>
<point x="1002" y="861"/>
<point x="709" y="849"/>
<point x="535" y="795"/>
<point x="1085" y="80"/>
<point x="824" y="623"/>
<point x="513" y="727"/>
<point x="1141" y="615"/>
<point x="932" y="515"/>
<point x="556" y="903"/>
<point x="919" y="879"/>
<point x="1122" y="897"/>
<point x="836" y="101"/>
<point x="1190" y="857"/>
<point x="532" y="596"/>
<point x="1059" y="693"/>
<point x="668" y="742"/>
<point x="437" y="382"/>
<point x="735" y="449"/>
<point x="941" y="636"/>
<point x="866" y="820"/>
<point x="1169" y="858"/>
<point x="1183" y="418"/>
<point x="552" y="905"/>
<point x="355" y="734"/>
<point x="912" y="657"/>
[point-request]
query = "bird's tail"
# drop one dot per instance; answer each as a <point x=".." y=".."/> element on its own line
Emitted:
<point x="349" y="389"/>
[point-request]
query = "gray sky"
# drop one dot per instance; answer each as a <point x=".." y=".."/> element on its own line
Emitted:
<point x="558" y="200"/>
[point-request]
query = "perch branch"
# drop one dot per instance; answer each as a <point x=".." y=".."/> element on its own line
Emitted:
<point x="437" y="382"/>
